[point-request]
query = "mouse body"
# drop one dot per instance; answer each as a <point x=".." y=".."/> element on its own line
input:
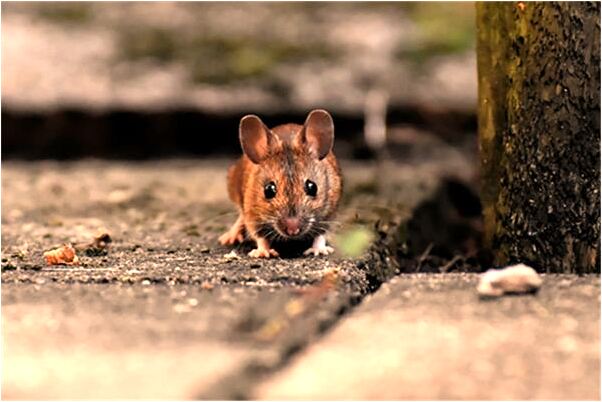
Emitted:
<point x="286" y="185"/>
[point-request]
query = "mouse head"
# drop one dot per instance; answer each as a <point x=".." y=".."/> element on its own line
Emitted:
<point x="291" y="193"/>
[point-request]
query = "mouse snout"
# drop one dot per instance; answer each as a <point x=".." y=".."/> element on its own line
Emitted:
<point x="291" y="226"/>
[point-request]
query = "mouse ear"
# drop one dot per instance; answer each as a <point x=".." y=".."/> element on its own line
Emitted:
<point x="318" y="133"/>
<point x="255" y="138"/>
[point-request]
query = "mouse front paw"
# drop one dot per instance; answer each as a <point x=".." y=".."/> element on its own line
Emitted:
<point x="235" y="234"/>
<point x="319" y="247"/>
<point x="230" y="238"/>
<point x="315" y="251"/>
<point x="263" y="253"/>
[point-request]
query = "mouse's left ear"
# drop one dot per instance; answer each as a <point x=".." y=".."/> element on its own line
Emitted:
<point x="317" y="133"/>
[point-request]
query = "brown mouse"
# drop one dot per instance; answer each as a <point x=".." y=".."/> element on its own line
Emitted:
<point x="287" y="184"/>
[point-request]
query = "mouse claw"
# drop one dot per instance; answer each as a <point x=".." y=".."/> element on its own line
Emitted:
<point x="263" y="253"/>
<point x="316" y="251"/>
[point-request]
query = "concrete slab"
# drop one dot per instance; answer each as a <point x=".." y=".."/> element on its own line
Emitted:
<point x="164" y="314"/>
<point x="430" y="337"/>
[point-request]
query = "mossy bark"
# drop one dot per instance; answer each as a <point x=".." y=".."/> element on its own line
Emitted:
<point x="539" y="133"/>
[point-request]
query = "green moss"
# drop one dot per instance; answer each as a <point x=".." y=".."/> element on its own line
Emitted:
<point x="154" y="43"/>
<point x="216" y="59"/>
<point x="65" y="12"/>
<point x="354" y="242"/>
<point x="222" y="60"/>
<point x="443" y="28"/>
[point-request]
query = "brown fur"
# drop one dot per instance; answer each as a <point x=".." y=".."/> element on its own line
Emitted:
<point x="290" y="162"/>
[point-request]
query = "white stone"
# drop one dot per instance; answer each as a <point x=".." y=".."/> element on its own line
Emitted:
<point x="518" y="278"/>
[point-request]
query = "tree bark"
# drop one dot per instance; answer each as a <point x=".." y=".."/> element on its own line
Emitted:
<point x="539" y="133"/>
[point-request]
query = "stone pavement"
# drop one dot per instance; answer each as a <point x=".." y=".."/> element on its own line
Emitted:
<point x="166" y="315"/>
<point x="430" y="337"/>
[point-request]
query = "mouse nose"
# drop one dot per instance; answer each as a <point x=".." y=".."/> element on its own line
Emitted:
<point x="291" y="226"/>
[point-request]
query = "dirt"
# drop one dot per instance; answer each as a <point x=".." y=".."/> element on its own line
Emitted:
<point x="164" y="218"/>
<point x="164" y="221"/>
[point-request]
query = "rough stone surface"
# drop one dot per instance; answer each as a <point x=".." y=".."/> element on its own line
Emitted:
<point x="164" y="314"/>
<point x="430" y="337"/>
<point x="89" y="341"/>
<point x="164" y="302"/>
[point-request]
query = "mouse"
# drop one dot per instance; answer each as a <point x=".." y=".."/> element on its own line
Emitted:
<point x="286" y="185"/>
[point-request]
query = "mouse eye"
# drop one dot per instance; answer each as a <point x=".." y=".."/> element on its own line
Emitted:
<point x="269" y="190"/>
<point x="311" y="188"/>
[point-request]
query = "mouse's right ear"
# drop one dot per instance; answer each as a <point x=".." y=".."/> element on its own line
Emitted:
<point x="255" y="138"/>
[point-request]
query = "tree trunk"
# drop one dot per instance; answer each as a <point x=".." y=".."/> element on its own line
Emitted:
<point x="539" y="133"/>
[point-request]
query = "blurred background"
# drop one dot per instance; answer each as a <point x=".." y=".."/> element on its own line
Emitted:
<point x="166" y="79"/>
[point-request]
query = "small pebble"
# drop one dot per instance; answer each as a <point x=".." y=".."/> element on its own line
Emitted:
<point x="231" y="256"/>
<point x="514" y="279"/>
<point x="181" y="308"/>
<point x="567" y="344"/>
<point x="146" y="282"/>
